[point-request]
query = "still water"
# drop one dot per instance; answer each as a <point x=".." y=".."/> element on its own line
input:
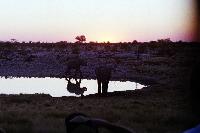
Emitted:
<point x="57" y="87"/>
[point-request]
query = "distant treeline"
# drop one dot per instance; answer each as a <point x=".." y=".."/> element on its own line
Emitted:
<point x="163" y="47"/>
<point x="31" y="43"/>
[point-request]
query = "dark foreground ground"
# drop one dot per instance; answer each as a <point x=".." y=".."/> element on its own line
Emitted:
<point x="162" y="107"/>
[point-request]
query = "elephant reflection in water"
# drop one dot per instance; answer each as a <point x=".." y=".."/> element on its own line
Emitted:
<point x="75" y="87"/>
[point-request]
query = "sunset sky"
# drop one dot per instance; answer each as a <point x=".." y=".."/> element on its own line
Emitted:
<point x="98" y="20"/>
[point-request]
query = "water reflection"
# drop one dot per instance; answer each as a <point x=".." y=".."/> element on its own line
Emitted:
<point x="57" y="87"/>
<point x="75" y="87"/>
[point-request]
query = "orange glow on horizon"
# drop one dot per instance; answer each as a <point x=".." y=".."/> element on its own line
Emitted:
<point x="105" y="37"/>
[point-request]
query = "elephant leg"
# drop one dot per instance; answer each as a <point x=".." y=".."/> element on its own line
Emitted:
<point x="78" y="73"/>
<point x="66" y="73"/>
<point x="81" y="75"/>
<point x="75" y="73"/>
<point x="105" y="87"/>
<point x="99" y="86"/>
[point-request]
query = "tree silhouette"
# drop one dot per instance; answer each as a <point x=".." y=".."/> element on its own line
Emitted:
<point x="135" y="42"/>
<point x="81" y="39"/>
<point x="13" y="40"/>
<point x="167" y="40"/>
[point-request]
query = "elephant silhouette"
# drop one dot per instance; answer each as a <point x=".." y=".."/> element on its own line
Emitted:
<point x="75" y="64"/>
<point x="103" y="75"/>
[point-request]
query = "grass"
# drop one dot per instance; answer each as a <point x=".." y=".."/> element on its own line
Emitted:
<point x="151" y="110"/>
<point x="13" y="121"/>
